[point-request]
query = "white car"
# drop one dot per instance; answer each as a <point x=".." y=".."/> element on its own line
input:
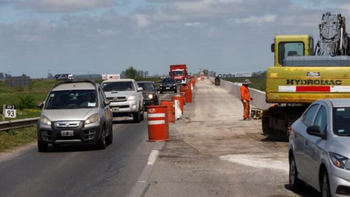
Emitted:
<point x="319" y="148"/>
<point x="126" y="98"/>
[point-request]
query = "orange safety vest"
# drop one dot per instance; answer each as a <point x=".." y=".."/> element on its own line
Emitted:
<point x="245" y="93"/>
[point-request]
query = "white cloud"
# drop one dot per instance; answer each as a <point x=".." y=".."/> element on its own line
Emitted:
<point x="62" y="6"/>
<point x="255" y="19"/>
<point x="142" y="20"/>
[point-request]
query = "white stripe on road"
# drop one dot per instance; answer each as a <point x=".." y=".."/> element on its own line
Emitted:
<point x="152" y="157"/>
<point x="157" y="115"/>
<point x="156" y="122"/>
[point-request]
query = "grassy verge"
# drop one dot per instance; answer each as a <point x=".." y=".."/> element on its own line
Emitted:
<point x="257" y="82"/>
<point x="17" y="138"/>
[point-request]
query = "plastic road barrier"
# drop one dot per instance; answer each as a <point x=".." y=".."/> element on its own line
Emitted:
<point x="158" y="125"/>
<point x="183" y="96"/>
<point x="178" y="112"/>
<point x="181" y="100"/>
<point x="188" y="93"/>
<point x="171" y="109"/>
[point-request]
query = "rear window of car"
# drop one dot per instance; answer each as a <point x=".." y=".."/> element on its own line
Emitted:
<point x="341" y="121"/>
<point x="118" y="86"/>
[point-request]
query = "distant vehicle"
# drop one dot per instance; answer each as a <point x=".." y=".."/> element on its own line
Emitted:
<point x="150" y="93"/>
<point x="167" y="84"/>
<point x="319" y="148"/>
<point x="75" y="112"/>
<point x="125" y="97"/>
<point x="110" y="76"/>
<point x="179" y="73"/>
<point x="64" y="77"/>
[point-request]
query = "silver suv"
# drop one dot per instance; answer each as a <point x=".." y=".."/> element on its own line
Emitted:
<point x="75" y="112"/>
<point x="126" y="98"/>
<point x="319" y="148"/>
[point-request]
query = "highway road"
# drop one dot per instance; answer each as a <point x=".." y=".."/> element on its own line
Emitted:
<point x="211" y="152"/>
<point x="79" y="170"/>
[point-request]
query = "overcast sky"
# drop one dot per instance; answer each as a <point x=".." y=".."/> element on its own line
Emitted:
<point x="107" y="36"/>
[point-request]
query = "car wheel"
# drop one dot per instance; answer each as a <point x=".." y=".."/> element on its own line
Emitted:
<point x="294" y="182"/>
<point x="42" y="147"/>
<point x="137" y="117"/>
<point x="161" y="92"/>
<point x="325" y="185"/>
<point x="109" y="138"/>
<point x="175" y="91"/>
<point x="101" y="144"/>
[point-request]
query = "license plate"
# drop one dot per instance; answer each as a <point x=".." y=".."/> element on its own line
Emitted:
<point x="167" y="88"/>
<point x="115" y="109"/>
<point x="66" y="133"/>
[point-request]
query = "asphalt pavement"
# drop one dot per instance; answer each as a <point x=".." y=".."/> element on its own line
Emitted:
<point x="211" y="152"/>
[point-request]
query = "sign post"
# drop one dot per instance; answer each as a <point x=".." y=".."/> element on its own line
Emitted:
<point x="3" y="113"/>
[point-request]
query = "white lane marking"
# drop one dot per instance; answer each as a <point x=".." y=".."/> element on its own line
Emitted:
<point x="259" y="161"/>
<point x="155" y="122"/>
<point x="152" y="157"/>
<point x="157" y="115"/>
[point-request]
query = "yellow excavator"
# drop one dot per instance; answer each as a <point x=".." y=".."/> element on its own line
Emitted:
<point x="303" y="73"/>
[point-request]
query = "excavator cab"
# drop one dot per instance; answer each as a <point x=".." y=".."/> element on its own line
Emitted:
<point x="291" y="45"/>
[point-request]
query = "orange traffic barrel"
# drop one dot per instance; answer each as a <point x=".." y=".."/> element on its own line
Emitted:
<point x="183" y="96"/>
<point x="188" y="93"/>
<point x="171" y="109"/>
<point x="158" y="125"/>
<point x="180" y="99"/>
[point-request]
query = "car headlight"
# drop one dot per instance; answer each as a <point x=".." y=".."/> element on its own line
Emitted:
<point x="150" y="96"/>
<point x="340" y="161"/>
<point x="92" y="119"/>
<point x="174" y="84"/>
<point x="131" y="98"/>
<point x="45" y="121"/>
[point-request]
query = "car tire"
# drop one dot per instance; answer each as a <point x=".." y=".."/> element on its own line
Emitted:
<point x="42" y="147"/>
<point x="325" y="187"/>
<point x="109" y="138"/>
<point x="294" y="182"/>
<point x="161" y="92"/>
<point x="137" y="117"/>
<point x="175" y="91"/>
<point x="101" y="144"/>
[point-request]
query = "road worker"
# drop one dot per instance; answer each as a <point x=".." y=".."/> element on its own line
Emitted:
<point x="245" y="98"/>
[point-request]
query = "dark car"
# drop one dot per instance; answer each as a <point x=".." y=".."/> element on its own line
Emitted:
<point x="150" y="93"/>
<point x="167" y="84"/>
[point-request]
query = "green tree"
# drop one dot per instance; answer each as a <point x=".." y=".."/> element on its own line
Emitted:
<point x="132" y="73"/>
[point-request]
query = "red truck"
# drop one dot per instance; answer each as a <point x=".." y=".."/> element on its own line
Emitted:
<point x="179" y="73"/>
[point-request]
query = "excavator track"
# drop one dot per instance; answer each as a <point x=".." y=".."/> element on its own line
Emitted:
<point x="277" y="121"/>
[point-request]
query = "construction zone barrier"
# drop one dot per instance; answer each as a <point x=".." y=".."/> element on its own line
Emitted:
<point x="170" y="109"/>
<point x="158" y="125"/>
<point x="181" y="101"/>
<point x="188" y="93"/>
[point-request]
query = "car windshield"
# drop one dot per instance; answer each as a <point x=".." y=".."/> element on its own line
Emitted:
<point x="146" y="86"/>
<point x="178" y="73"/>
<point x="118" y="86"/>
<point x="71" y="99"/>
<point x="169" y="80"/>
<point x="341" y="121"/>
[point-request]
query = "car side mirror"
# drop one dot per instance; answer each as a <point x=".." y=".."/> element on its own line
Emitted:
<point x="41" y="105"/>
<point x="315" y="131"/>
<point x="273" y="47"/>
<point x="139" y="89"/>
<point x="106" y="102"/>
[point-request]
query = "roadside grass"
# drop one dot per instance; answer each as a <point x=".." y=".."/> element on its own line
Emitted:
<point x="257" y="82"/>
<point x="12" y="139"/>
<point x="26" y="113"/>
